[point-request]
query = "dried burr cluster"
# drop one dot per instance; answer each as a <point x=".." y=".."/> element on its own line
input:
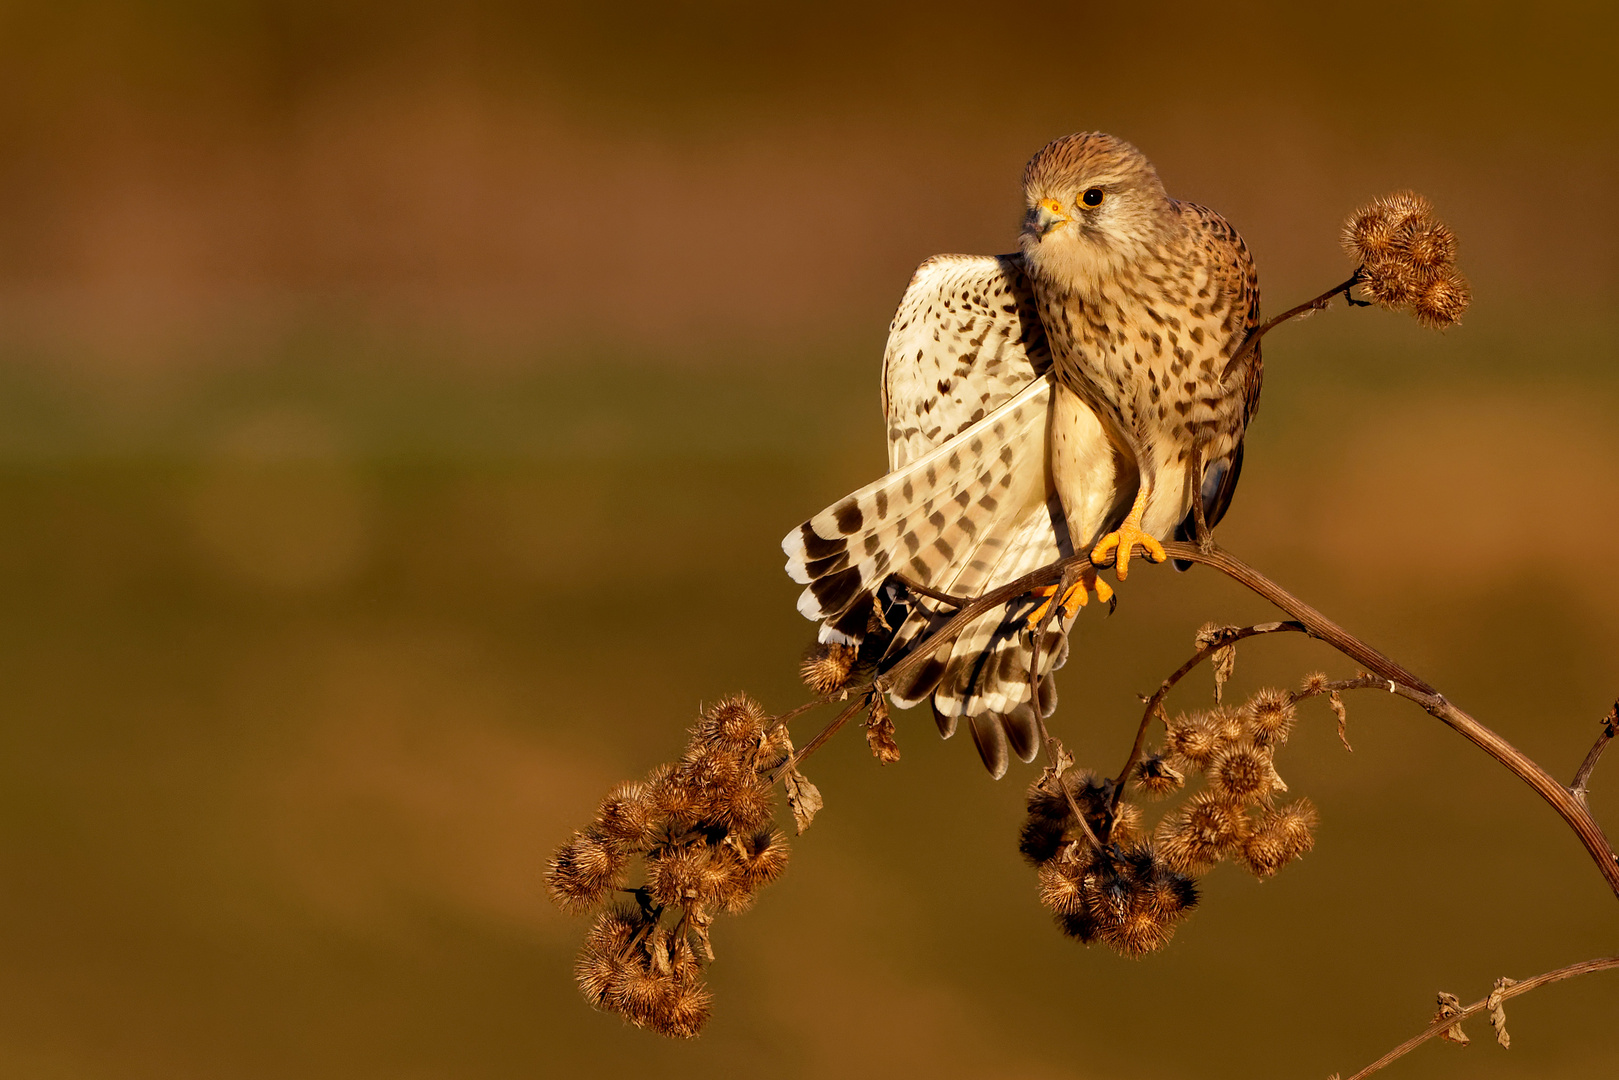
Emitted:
<point x="1407" y="258"/>
<point x="1107" y="880"/>
<point x="702" y="830"/>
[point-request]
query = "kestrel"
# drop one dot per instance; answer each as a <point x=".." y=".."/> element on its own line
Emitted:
<point x="1038" y="404"/>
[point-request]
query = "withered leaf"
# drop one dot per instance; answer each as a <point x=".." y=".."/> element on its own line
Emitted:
<point x="880" y="732"/>
<point x="1450" y="1005"/>
<point x="1223" y="660"/>
<point x="657" y="947"/>
<point x="1336" y="700"/>
<point x="697" y="923"/>
<point x="1061" y="762"/>
<point x="1498" y="1012"/>
<point x="803" y="797"/>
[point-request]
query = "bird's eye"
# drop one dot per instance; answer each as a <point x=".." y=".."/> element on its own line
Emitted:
<point x="1093" y="196"/>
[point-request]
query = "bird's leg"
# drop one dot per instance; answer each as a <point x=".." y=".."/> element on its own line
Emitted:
<point x="1127" y="536"/>
<point x="1074" y="597"/>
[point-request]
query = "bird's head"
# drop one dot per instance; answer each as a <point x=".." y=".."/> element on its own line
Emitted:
<point x="1095" y="205"/>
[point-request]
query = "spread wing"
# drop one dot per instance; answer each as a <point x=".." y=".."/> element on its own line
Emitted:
<point x="967" y="506"/>
<point x="965" y="339"/>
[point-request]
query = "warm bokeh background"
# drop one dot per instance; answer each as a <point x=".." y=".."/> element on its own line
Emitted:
<point x="400" y="404"/>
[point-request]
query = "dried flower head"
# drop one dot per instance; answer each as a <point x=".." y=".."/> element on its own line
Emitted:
<point x="748" y="807"/>
<point x="1270" y="715"/>
<point x="1442" y="301"/>
<point x="1156" y="777"/>
<point x="737" y="723"/>
<point x="606" y="956"/>
<point x="1407" y="258"/>
<point x="1279" y="837"/>
<point x="679" y="875"/>
<point x="1314" y="683"/>
<point x="827" y="666"/>
<point x="764" y="857"/>
<point x="1205" y="829"/>
<point x="1126" y="827"/>
<point x="1192" y="741"/>
<point x="1243" y="774"/>
<point x="628" y="816"/>
<point x="631" y="966"/>
<point x="582" y="872"/>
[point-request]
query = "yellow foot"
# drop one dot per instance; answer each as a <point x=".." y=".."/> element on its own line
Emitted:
<point x="1128" y="535"/>
<point x="1074" y="597"/>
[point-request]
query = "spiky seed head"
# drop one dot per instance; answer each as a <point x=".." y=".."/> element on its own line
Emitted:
<point x="1443" y="301"/>
<point x="1243" y="774"/>
<point x="736" y="722"/>
<point x="1202" y="831"/>
<point x="1063" y="886"/>
<point x="1270" y="715"/>
<point x="750" y="807"/>
<point x="1191" y="741"/>
<point x="1314" y="683"/>
<point x="766" y="858"/>
<point x="827" y="666"/>
<point x="1041" y="838"/>
<point x="1368" y="234"/>
<point x="1228" y="723"/>
<point x="712" y="775"/>
<point x="672" y="795"/>
<point x="1427" y="244"/>
<point x="582" y="872"/>
<point x="677" y="876"/>
<point x="1279" y="837"/>
<point x="627" y="815"/>
<point x="683" y="1011"/>
<point x="1157" y="778"/>
<point x="1126" y="824"/>
<point x="608" y="954"/>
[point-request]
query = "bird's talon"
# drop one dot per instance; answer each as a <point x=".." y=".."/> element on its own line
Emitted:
<point x="1126" y="537"/>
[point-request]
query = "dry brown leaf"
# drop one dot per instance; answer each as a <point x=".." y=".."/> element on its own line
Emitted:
<point x="803" y="797"/>
<point x="880" y="733"/>
<point x="1061" y="762"/>
<point x="697" y="923"/>
<point x="1450" y="1005"/>
<point x="1336" y="700"/>
<point x="1223" y="660"/>
<point x="1498" y="1012"/>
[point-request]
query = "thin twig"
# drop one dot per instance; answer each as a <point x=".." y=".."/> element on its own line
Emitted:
<point x="1251" y="342"/>
<point x="826" y="733"/>
<point x="1582" y="778"/>
<point x="1444" y="1024"/>
<point x="932" y="593"/>
<point x="1231" y="637"/>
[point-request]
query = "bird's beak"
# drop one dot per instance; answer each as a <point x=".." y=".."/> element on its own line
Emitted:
<point x="1043" y="217"/>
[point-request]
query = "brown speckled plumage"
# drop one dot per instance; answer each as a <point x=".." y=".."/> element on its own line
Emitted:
<point x="1028" y="399"/>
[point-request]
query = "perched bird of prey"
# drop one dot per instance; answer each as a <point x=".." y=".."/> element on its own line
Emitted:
<point x="1040" y="403"/>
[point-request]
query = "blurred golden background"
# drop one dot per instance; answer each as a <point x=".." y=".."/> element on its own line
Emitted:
<point x="400" y="407"/>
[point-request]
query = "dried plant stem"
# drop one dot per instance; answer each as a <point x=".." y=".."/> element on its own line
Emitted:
<point x="1438" y="1027"/>
<point x="861" y="697"/>
<point x="1571" y="809"/>
<point x="1316" y="304"/>
<point x="1583" y="777"/>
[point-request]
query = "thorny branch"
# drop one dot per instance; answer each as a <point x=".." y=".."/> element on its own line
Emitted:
<point x="1503" y="992"/>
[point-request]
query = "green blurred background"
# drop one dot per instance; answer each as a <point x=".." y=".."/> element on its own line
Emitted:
<point x="401" y="404"/>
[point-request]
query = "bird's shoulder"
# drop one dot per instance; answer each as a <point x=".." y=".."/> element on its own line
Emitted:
<point x="1234" y="287"/>
<point x="965" y="338"/>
